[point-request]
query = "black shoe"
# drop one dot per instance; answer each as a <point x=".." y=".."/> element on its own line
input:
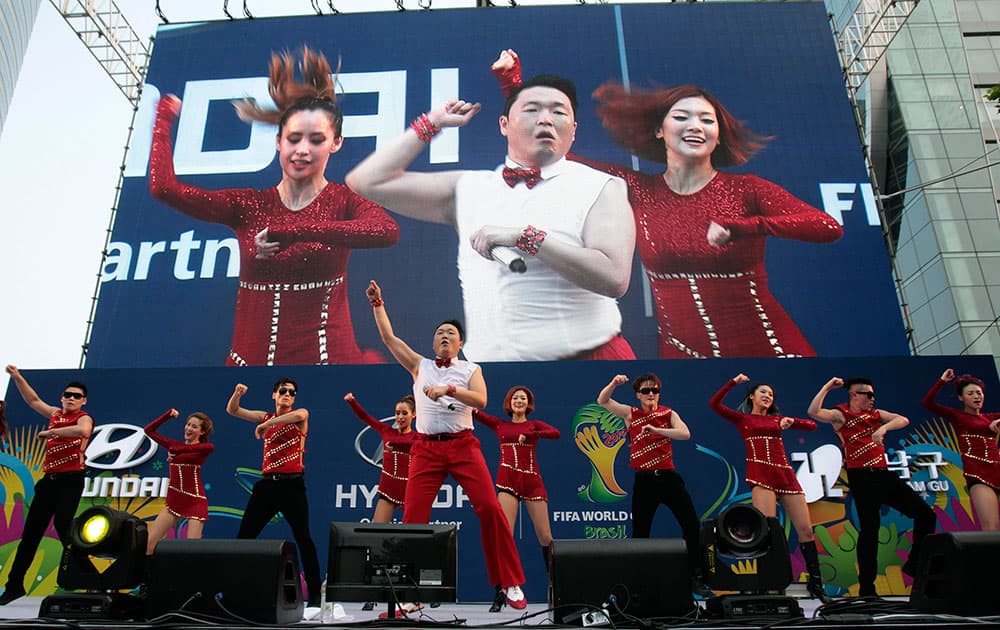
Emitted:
<point x="499" y="600"/>
<point x="10" y="594"/>
<point x="867" y="591"/>
<point x="816" y="591"/>
<point x="369" y="606"/>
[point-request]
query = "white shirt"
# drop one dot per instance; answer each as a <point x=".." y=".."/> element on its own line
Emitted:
<point x="434" y="416"/>
<point x="537" y="315"/>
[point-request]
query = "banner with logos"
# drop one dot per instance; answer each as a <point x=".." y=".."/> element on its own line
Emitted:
<point x="585" y="471"/>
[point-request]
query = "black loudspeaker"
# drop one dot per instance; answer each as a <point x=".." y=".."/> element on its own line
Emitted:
<point x="254" y="579"/>
<point x="646" y="577"/>
<point x="957" y="574"/>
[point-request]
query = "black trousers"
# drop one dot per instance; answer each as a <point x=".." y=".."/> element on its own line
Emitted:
<point x="872" y="488"/>
<point x="57" y="496"/>
<point x="666" y="487"/>
<point x="287" y="496"/>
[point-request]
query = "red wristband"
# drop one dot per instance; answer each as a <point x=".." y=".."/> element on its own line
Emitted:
<point x="531" y="239"/>
<point x="377" y="302"/>
<point x="451" y="390"/>
<point x="426" y="130"/>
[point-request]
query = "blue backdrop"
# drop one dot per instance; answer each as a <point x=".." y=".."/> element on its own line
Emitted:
<point x="589" y="487"/>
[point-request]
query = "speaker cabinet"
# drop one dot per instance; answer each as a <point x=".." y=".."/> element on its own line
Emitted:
<point x="646" y="577"/>
<point x="956" y="574"/>
<point x="254" y="579"/>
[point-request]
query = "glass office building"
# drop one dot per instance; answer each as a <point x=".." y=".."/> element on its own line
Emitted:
<point x="17" y="17"/>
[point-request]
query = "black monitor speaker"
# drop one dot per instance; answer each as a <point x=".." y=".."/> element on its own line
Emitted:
<point x="644" y="578"/>
<point x="392" y="563"/>
<point x="257" y="580"/>
<point x="956" y="574"/>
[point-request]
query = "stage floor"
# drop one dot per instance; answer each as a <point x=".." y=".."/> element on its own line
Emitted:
<point x="888" y="614"/>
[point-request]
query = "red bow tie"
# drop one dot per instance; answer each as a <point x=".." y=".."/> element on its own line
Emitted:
<point x="442" y="362"/>
<point x="530" y="176"/>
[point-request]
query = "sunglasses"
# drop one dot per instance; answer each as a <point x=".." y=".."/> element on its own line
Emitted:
<point x="73" y="395"/>
<point x="649" y="390"/>
<point x="870" y="395"/>
<point x="287" y="390"/>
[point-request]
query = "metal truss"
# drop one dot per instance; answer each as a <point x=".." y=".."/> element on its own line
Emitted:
<point x="111" y="40"/>
<point x="866" y="36"/>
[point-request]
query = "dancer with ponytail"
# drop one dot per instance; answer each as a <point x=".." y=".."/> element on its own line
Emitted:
<point x="295" y="238"/>
<point x="769" y="475"/>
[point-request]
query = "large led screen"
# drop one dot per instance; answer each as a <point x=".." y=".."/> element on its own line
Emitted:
<point x="170" y="282"/>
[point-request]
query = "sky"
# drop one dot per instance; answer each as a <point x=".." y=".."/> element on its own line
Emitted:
<point x="61" y="147"/>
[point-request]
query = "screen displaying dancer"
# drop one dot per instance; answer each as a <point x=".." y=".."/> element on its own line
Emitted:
<point x="295" y="238"/>
<point x="701" y="231"/>
<point x="570" y="225"/>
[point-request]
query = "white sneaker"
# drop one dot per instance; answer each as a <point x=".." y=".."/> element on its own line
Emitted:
<point x="515" y="598"/>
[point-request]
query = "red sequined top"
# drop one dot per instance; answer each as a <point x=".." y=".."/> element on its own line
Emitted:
<point x="64" y="454"/>
<point x="976" y="443"/>
<point x="284" y="448"/>
<point x="185" y="459"/>
<point x="514" y="454"/>
<point x="395" y="444"/>
<point x="860" y="451"/>
<point x="650" y="451"/>
<point x="291" y="307"/>
<point x="767" y="463"/>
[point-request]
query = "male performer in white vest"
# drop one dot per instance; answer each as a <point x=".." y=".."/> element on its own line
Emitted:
<point x="572" y="226"/>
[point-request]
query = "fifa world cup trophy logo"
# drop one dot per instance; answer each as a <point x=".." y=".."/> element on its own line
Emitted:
<point x="600" y="435"/>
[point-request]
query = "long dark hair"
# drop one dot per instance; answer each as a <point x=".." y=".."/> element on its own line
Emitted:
<point x="746" y="406"/>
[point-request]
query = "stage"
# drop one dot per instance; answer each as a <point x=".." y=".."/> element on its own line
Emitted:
<point x="890" y="613"/>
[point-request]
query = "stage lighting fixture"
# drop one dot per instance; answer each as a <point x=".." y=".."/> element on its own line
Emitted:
<point x="106" y="553"/>
<point x="743" y="550"/>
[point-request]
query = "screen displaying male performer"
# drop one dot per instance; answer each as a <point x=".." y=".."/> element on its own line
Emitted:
<point x="572" y="225"/>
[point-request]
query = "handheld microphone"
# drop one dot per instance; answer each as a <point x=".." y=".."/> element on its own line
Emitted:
<point x="447" y="404"/>
<point x="509" y="257"/>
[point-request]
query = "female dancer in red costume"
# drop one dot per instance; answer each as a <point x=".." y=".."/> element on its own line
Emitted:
<point x="186" y="493"/>
<point x="769" y="475"/>
<point x="295" y="238"/>
<point x="701" y="232"/>
<point x="518" y="478"/>
<point x="396" y="441"/>
<point x="977" y="438"/>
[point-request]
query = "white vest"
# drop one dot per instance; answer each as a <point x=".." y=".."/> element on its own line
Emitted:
<point x="434" y="416"/>
<point x="537" y="315"/>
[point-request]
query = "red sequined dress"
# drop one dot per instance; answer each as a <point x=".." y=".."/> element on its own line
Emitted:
<point x="186" y="493"/>
<point x="291" y="308"/>
<point x="518" y="473"/>
<point x="977" y="444"/>
<point x="395" y="455"/>
<point x="767" y="463"/>
<point x="714" y="301"/>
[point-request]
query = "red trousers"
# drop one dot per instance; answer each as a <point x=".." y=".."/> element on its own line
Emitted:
<point x="430" y="463"/>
